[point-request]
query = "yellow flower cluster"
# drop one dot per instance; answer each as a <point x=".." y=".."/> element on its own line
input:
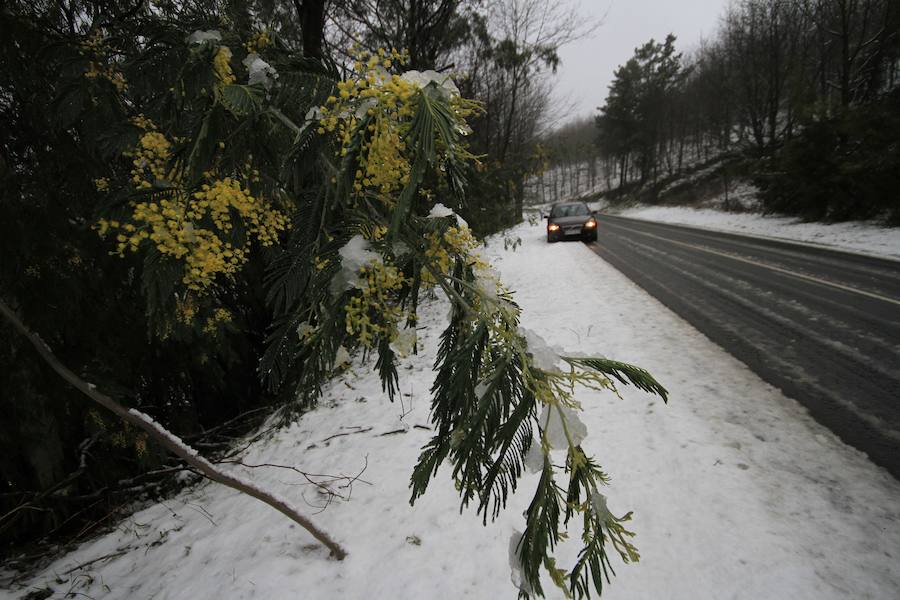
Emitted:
<point x="222" y="66"/>
<point x="143" y="122"/>
<point x="321" y="263"/>
<point x="173" y="228"/>
<point x="220" y="316"/>
<point x="186" y="309"/>
<point x="440" y="250"/>
<point x="222" y="196"/>
<point x="102" y="184"/>
<point x="260" y="40"/>
<point x="193" y="228"/>
<point x="99" y="68"/>
<point x="388" y="102"/>
<point x="374" y="313"/>
<point x="149" y="159"/>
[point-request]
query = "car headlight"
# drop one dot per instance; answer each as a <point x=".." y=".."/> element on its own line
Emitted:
<point x="552" y="227"/>
<point x="591" y="223"/>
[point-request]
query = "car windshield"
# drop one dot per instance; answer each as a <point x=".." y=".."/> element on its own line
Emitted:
<point x="569" y="210"/>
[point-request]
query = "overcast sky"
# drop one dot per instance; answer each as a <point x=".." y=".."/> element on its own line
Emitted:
<point x="588" y="65"/>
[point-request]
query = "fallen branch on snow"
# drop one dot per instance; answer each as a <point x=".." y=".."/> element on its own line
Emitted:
<point x="170" y="441"/>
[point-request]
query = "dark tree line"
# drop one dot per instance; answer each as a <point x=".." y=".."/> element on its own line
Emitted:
<point x="805" y="90"/>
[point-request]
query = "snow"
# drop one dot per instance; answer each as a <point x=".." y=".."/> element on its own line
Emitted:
<point x="421" y="79"/>
<point x="515" y="565"/>
<point x="405" y="342"/>
<point x="857" y="236"/>
<point x="544" y="356"/>
<point x="198" y="37"/>
<point x="342" y="358"/>
<point x="259" y="71"/>
<point x="355" y="255"/>
<point x="304" y="330"/>
<point x="598" y="504"/>
<point x="439" y="211"/>
<point x="552" y="422"/>
<point x="736" y="491"/>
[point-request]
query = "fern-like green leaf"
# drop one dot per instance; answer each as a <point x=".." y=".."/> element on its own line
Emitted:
<point x="623" y="372"/>
<point x="242" y="100"/>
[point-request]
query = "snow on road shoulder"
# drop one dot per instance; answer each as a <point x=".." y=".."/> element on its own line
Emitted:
<point x="737" y="493"/>
<point x="856" y="236"/>
<point x="211" y="541"/>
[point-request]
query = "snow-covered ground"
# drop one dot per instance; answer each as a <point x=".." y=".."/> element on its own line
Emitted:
<point x="737" y="492"/>
<point x="857" y="236"/>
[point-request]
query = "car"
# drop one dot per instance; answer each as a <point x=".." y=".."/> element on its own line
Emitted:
<point x="571" y="219"/>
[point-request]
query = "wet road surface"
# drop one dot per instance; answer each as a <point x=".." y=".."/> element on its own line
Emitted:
<point x="821" y="325"/>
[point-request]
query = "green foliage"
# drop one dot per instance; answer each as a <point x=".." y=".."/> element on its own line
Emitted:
<point x="632" y="118"/>
<point x="840" y="168"/>
<point x="623" y="372"/>
<point x="189" y="173"/>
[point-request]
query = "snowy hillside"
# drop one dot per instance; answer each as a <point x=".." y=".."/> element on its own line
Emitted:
<point x="737" y="492"/>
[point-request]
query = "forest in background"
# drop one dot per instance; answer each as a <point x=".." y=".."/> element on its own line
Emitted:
<point x="802" y="97"/>
<point x="209" y="349"/>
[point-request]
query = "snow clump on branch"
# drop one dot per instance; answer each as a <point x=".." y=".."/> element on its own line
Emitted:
<point x="198" y="37"/>
<point x="545" y="357"/>
<point x="421" y="79"/>
<point x="515" y="565"/>
<point x="354" y="256"/>
<point x="439" y="211"/>
<point x="260" y="71"/>
<point x="559" y="419"/>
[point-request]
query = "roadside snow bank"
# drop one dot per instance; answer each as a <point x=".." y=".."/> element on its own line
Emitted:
<point x="858" y="236"/>
<point x="737" y="492"/>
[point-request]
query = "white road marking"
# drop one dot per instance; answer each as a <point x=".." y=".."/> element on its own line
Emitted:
<point x="809" y="278"/>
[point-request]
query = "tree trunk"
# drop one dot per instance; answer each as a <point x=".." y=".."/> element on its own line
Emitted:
<point x="312" y="26"/>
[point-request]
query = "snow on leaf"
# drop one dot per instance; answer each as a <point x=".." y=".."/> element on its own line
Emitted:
<point x="515" y="565"/>
<point x="534" y="459"/>
<point x="545" y="357"/>
<point x="198" y="37"/>
<point x="439" y="211"/>
<point x="341" y="358"/>
<point x="488" y="281"/>
<point x="552" y="423"/>
<point x="405" y="342"/>
<point x="260" y="71"/>
<point x="364" y="107"/>
<point x="354" y="256"/>
<point x="304" y="330"/>
<point x="598" y="505"/>
<point x="313" y="114"/>
<point x="420" y="79"/>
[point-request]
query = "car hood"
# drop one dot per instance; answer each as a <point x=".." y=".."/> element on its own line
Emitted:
<point x="577" y="220"/>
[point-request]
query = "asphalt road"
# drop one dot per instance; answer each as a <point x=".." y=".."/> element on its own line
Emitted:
<point x="821" y="325"/>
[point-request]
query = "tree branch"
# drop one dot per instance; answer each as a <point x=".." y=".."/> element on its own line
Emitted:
<point x="170" y="441"/>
